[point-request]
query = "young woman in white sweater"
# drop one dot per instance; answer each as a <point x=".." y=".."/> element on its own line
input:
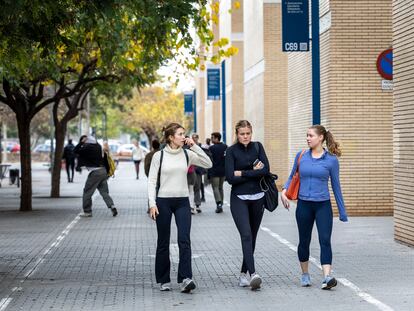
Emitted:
<point x="168" y="195"/>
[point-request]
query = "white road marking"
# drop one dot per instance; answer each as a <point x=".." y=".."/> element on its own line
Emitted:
<point x="365" y="296"/>
<point x="6" y="301"/>
<point x="55" y="244"/>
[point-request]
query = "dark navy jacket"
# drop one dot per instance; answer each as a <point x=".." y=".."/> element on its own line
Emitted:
<point x="241" y="158"/>
<point x="90" y="155"/>
<point x="218" y="153"/>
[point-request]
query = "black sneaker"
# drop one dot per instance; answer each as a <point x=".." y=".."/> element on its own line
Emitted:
<point x="114" y="211"/>
<point x="219" y="208"/>
<point x="187" y="286"/>
<point x="329" y="282"/>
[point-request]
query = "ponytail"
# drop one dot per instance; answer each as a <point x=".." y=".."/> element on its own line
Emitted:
<point x="331" y="144"/>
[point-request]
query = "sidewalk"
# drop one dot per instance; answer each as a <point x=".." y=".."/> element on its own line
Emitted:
<point x="51" y="259"/>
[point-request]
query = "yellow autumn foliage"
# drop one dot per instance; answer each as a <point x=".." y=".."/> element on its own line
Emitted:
<point x="153" y="108"/>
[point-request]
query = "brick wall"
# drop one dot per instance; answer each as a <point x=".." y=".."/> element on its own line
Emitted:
<point x="403" y="45"/>
<point x="353" y="106"/>
<point x="275" y="92"/>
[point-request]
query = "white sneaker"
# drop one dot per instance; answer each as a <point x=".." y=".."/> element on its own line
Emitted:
<point x="243" y="281"/>
<point x="193" y="211"/>
<point x="84" y="214"/>
<point x="165" y="287"/>
<point x="187" y="286"/>
<point x="255" y="281"/>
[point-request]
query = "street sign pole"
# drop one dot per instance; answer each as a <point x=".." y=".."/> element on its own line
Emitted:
<point x="223" y="99"/>
<point x="195" y="110"/>
<point x="316" y="71"/>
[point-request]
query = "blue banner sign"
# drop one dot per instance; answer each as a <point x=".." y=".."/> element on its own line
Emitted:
<point x="213" y="84"/>
<point x="188" y="103"/>
<point x="295" y="25"/>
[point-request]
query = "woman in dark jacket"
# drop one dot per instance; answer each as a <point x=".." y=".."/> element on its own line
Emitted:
<point x="246" y="164"/>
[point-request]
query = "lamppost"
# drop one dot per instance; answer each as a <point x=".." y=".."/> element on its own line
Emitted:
<point x="1" y="134"/>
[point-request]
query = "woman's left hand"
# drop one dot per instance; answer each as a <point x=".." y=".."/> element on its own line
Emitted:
<point x="259" y="166"/>
<point x="237" y="173"/>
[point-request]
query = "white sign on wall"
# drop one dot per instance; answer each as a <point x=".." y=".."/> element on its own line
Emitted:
<point x="387" y="85"/>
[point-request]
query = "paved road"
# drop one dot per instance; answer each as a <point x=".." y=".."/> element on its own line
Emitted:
<point x="51" y="259"/>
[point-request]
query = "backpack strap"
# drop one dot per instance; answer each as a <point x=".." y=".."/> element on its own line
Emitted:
<point x="186" y="156"/>
<point x="159" y="174"/>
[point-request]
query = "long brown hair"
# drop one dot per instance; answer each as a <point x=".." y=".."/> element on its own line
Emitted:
<point x="331" y="144"/>
<point x="241" y="124"/>
<point x="170" y="130"/>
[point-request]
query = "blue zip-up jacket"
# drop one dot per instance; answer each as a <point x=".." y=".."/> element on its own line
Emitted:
<point x="241" y="158"/>
<point x="314" y="176"/>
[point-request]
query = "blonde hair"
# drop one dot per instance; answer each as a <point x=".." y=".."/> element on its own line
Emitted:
<point x="331" y="144"/>
<point x="242" y="124"/>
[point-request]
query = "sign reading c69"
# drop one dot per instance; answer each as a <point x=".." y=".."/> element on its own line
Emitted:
<point x="295" y="25"/>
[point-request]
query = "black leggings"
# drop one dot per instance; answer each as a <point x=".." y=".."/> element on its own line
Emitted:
<point x="247" y="215"/>
<point x="70" y="167"/>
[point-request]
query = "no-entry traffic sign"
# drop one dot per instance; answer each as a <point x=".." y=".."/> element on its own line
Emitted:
<point x="384" y="64"/>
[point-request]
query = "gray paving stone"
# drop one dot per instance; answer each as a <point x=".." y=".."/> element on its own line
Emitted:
<point x="107" y="263"/>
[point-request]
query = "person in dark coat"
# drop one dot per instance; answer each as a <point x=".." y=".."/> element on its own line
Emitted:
<point x="217" y="172"/>
<point x="92" y="157"/>
<point x="69" y="157"/>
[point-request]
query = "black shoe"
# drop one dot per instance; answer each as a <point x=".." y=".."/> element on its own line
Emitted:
<point x="219" y="209"/>
<point x="114" y="211"/>
<point x="203" y="199"/>
<point x="187" y="286"/>
<point x="329" y="282"/>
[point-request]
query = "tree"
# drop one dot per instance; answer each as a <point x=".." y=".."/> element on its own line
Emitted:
<point x="74" y="44"/>
<point x="153" y="108"/>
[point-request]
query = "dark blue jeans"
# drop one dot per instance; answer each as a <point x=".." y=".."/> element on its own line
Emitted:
<point x="308" y="212"/>
<point x="180" y="207"/>
<point x="247" y="216"/>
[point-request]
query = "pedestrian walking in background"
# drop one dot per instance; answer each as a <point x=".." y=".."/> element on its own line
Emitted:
<point x="191" y="180"/>
<point x="168" y="194"/>
<point x="198" y="178"/>
<point x="91" y="156"/>
<point x="155" y="144"/>
<point x="207" y="144"/>
<point x="137" y="156"/>
<point x="245" y="163"/>
<point x="316" y="165"/>
<point x="217" y="172"/>
<point x="69" y="157"/>
<point x="148" y="158"/>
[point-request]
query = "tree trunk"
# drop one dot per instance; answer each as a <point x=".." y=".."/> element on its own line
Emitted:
<point x="23" y="124"/>
<point x="60" y="133"/>
<point x="151" y="133"/>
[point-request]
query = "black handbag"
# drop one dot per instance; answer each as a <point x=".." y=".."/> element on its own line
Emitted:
<point x="268" y="186"/>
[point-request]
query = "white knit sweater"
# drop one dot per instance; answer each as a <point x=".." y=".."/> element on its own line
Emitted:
<point x="173" y="181"/>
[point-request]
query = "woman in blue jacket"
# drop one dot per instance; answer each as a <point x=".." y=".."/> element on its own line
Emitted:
<point x="245" y="163"/>
<point x="316" y="166"/>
